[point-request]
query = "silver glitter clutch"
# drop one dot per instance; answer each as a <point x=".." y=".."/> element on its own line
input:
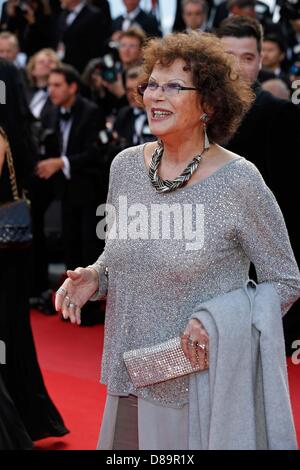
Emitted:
<point x="153" y="364"/>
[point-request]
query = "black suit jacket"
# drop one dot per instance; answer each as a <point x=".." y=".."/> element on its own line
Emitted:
<point x="85" y="38"/>
<point x="146" y="20"/>
<point x="29" y="93"/>
<point x="269" y="136"/>
<point x="125" y="128"/>
<point x="83" y="150"/>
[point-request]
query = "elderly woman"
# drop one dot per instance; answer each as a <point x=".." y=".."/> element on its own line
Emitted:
<point x="156" y="268"/>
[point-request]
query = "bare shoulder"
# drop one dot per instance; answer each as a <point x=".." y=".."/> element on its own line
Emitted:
<point x="220" y="156"/>
<point x="148" y="151"/>
<point x="213" y="160"/>
<point x="246" y="171"/>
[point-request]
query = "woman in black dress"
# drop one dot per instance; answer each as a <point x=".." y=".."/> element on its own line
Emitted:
<point x="13" y="435"/>
<point x="21" y="373"/>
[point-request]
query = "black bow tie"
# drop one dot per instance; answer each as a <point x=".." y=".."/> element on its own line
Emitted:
<point x="41" y="88"/>
<point x="65" y="115"/>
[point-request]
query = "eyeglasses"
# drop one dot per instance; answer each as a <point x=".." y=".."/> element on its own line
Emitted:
<point x="129" y="46"/>
<point x="170" y="89"/>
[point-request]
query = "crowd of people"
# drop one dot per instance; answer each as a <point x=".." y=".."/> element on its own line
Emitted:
<point x="75" y="106"/>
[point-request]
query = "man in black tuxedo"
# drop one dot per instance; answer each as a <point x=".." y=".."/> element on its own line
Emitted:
<point x="195" y="16"/>
<point x="269" y="136"/>
<point x="77" y="123"/>
<point x="136" y="16"/>
<point x="82" y="33"/>
<point x="273" y="51"/>
<point x="131" y="126"/>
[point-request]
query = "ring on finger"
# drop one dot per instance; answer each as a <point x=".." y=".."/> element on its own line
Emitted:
<point x="71" y="305"/>
<point x="61" y="290"/>
<point x="193" y="343"/>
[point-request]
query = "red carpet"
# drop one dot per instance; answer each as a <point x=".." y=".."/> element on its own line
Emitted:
<point x="70" y="359"/>
<point x="294" y="381"/>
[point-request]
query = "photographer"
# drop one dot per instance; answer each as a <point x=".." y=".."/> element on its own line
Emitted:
<point x="105" y="77"/>
<point x="131" y="126"/>
<point x="31" y="21"/>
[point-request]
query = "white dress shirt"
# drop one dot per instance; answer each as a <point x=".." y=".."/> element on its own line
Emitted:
<point x="38" y="102"/>
<point x="65" y="129"/>
<point x="74" y="13"/>
<point x="129" y="18"/>
<point x="139" y="122"/>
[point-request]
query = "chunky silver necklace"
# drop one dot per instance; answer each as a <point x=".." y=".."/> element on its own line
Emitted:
<point x="166" y="186"/>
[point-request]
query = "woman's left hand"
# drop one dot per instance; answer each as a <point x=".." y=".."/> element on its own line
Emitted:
<point x="194" y="342"/>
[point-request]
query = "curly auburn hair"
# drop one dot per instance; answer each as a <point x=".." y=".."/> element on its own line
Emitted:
<point x="224" y="94"/>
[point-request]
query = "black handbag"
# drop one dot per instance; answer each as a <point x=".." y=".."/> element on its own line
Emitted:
<point x="15" y="218"/>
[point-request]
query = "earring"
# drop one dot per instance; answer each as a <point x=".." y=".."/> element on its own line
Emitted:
<point x="204" y="118"/>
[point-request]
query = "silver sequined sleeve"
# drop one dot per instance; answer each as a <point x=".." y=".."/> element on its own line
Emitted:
<point x="100" y="267"/>
<point x="263" y="236"/>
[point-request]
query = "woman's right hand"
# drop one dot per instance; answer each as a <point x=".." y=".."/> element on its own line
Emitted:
<point x="75" y="292"/>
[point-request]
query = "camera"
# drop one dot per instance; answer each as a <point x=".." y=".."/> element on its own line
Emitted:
<point x="295" y="69"/>
<point x="108" y="69"/>
<point x="23" y="5"/>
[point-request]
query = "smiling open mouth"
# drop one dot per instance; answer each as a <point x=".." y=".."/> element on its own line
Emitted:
<point x="160" y="114"/>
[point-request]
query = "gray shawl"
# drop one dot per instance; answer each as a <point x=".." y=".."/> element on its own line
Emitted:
<point x="242" y="400"/>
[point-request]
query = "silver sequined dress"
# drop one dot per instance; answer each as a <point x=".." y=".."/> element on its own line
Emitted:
<point x="155" y="280"/>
